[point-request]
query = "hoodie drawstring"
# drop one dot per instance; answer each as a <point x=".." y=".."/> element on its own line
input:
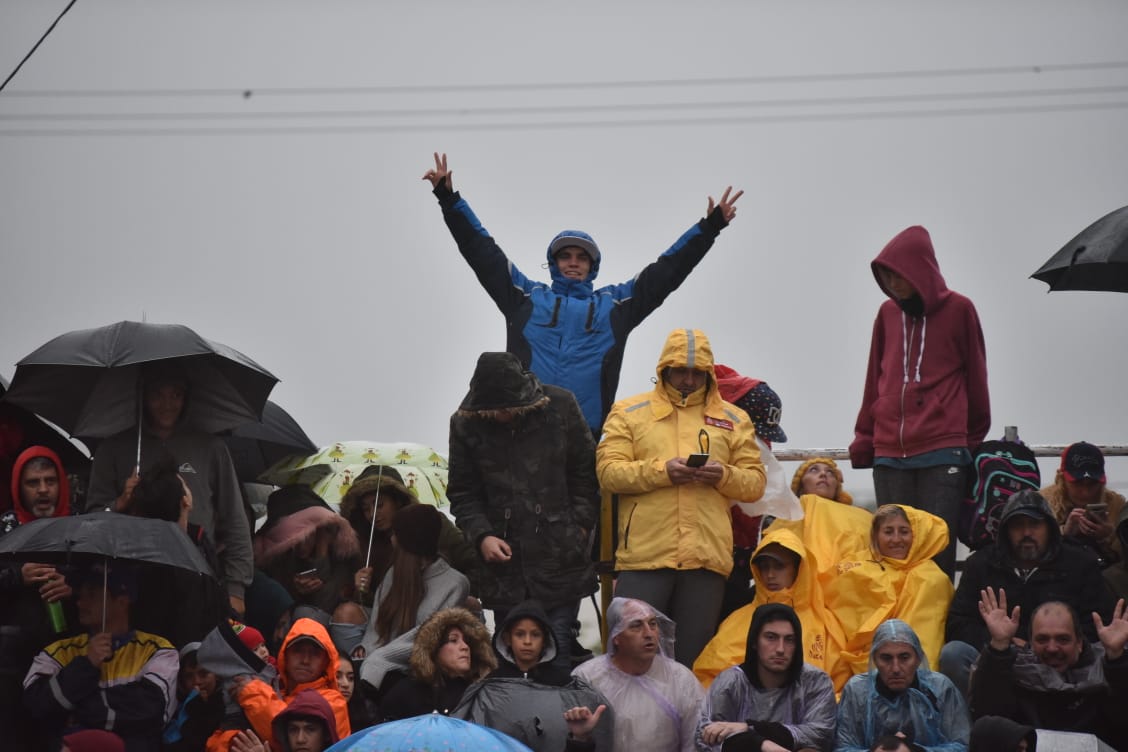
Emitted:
<point x="905" y="348"/>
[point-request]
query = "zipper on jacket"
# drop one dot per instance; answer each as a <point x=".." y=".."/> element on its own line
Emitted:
<point x="537" y="511"/>
<point x="505" y="527"/>
<point x="590" y="316"/>
<point x="627" y="527"/>
<point x="905" y="385"/>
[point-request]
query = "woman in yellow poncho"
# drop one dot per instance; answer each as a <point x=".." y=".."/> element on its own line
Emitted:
<point x="895" y="579"/>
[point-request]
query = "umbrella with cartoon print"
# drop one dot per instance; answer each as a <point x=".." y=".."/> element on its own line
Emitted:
<point x="331" y="471"/>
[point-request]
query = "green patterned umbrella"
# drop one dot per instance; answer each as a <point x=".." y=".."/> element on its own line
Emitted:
<point x="334" y="468"/>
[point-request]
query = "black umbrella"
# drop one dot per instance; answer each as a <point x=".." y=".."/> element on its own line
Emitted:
<point x="37" y="431"/>
<point x="178" y="596"/>
<point x="1097" y="259"/>
<point x="89" y="381"/>
<point x="256" y="446"/>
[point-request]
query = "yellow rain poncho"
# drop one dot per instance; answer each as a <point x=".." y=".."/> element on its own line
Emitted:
<point x="868" y="589"/>
<point x="727" y="646"/>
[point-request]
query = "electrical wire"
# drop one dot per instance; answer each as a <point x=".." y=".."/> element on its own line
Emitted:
<point x="36" y="45"/>
<point x="310" y="91"/>
<point x="565" y="126"/>
<point x="564" y="109"/>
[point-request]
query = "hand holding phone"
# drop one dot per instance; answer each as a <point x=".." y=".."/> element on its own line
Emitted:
<point x="700" y="457"/>
<point x="1097" y="512"/>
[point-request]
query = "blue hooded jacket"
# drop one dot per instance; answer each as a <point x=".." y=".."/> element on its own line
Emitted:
<point x="569" y="333"/>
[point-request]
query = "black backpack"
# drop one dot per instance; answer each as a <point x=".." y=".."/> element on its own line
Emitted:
<point x="1001" y="469"/>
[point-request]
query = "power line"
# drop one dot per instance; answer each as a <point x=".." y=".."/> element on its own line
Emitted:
<point x="566" y="108"/>
<point x="36" y="45"/>
<point x="574" y="125"/>
<point x="572" y="85"/>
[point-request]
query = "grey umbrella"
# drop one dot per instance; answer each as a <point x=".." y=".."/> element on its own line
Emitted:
<point x="1097" y="259"/>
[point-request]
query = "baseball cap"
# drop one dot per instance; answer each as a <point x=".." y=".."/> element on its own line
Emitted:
<point x="777" y="552"/>
<point x="1083" y="461"/>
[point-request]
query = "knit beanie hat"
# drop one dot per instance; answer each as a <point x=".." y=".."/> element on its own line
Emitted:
<point x="417" y="528"/>
<point x="248" y="635"/>
<point x="843" y="496"/>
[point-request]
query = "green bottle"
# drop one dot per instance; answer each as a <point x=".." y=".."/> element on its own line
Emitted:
<point x="57" y="617"/>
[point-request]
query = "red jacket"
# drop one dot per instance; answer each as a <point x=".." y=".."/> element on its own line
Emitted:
<point x="926" y="382"/>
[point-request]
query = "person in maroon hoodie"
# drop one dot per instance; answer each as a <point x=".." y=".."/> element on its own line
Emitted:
<point x="306" y="725"/>
<point x="925" y="404"/>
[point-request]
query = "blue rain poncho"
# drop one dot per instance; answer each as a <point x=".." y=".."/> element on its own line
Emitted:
<point x="931" y="713"/>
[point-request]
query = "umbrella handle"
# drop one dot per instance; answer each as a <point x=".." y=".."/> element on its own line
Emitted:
<point x="372" y="530"/>
<point x="105" y="583"/>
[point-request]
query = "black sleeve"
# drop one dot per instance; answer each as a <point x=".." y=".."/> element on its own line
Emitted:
<point x="992" y="684"/>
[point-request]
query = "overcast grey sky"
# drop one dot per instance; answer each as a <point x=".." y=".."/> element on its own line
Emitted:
<point x="292" y="223"/>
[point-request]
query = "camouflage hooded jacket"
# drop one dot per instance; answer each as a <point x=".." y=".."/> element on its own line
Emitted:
<point x="522" y="468"/>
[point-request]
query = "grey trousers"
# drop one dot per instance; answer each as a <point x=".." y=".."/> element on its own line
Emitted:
<point x="691" y="597"/>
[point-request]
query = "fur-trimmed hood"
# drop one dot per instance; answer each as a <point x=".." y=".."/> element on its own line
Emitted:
<point x="385" y="484"/>
<point x="290" y="531"/>
<point x="501" y="382"/>
<point x="430" y="638"/>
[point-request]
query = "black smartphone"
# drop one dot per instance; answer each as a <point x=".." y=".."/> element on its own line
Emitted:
<point x="696" y="459"/>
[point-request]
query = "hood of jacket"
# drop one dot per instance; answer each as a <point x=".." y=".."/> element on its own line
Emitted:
<point x="306" y="705"/>
<point x="433" y="632"/>
<point x="1029" y="503"/>
<point x="895" y="630"/>
<point x="763" y="615"/>
<point x="910" y="254"/>
<point x="306" y="629"/>
<point x="224" y="654"/>
<point x="996" y="732"/>
<point x="289" y="532"/>
<point x="62" y="508"/>
<point x="930" y="537"/>
<point x="688" y="348"/>
<point x="501" y="382"/>
<point x="561" y="285"/>
<point x="526" y="610"/>
<point x="384" y="486"/>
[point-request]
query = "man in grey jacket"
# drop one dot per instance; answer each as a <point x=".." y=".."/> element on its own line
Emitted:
<point x="204" y="464"/>
<point x="773" y="701"/>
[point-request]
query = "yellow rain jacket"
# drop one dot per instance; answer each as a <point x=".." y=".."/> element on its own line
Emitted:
<point x="663" y="526"/>
<point x="869" y="589"/>
<point x="727" y="646"/>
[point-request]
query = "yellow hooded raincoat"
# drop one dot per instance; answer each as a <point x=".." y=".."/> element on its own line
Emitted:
<point x="663" y="526"/>
<point x="727" y="646"/>
<point x="869" y="588"/>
